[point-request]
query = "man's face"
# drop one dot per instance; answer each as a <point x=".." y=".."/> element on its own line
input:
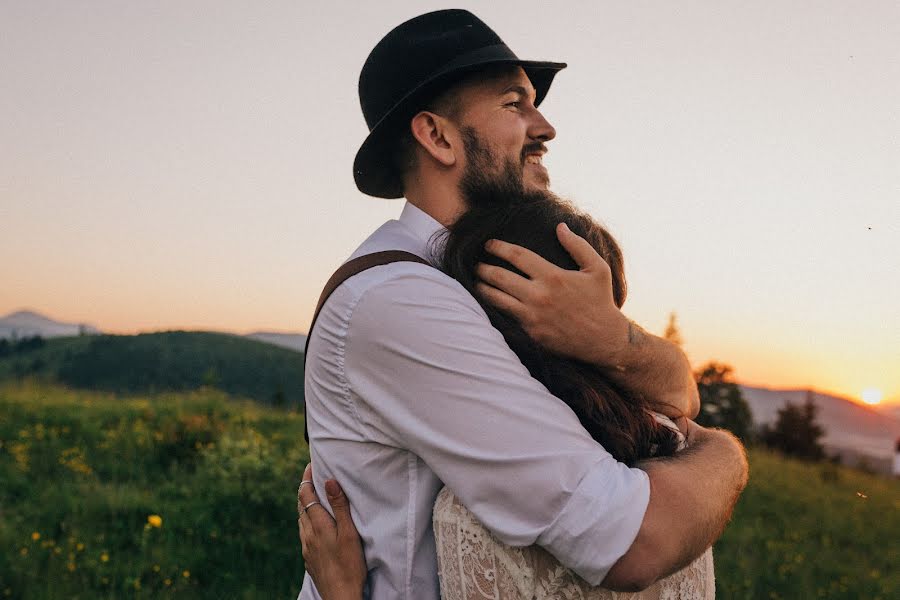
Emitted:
<point x="504" y="133"/>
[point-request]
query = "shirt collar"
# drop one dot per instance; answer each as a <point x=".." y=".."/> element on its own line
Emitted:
<point x="421" y="224"/>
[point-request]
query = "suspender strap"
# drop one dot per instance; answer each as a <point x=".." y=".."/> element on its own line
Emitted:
<point x="345" y="272"/>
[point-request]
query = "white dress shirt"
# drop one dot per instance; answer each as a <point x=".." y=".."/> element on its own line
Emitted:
<point x="409" y="387"/>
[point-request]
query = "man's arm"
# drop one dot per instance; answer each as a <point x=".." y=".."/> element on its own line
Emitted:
<point x="428" y="373"/>
<point x="681" y="521"/>
<point x="692" y="495"/>
<point x="655" y="368"/>
<point x="574" y="313"/>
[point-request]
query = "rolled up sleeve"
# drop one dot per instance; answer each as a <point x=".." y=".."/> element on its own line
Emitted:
<point x="432" y="375"/>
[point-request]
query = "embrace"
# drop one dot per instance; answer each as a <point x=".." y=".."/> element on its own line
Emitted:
<point x="500" y="429"/>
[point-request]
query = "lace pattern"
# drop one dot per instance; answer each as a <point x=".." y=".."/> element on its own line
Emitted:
<point x="474" y="565"/>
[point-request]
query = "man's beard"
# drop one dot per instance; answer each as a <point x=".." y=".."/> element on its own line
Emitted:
<point x="482" y="186"/>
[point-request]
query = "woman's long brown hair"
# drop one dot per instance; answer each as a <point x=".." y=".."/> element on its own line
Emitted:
<point x="620" y="421"/>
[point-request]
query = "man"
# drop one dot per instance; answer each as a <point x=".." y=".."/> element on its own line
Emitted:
<point x="409" y="387"/>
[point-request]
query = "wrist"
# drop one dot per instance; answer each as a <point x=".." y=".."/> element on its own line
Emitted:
<point x="611" y="341"/>
<point x="624" y="348"/>
<point x="348" y="592"/>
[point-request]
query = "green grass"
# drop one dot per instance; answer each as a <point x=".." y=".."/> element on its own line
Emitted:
<point x="805" y="530"/>
<point x="85" y="470"/>
<point x="81" y="472"/>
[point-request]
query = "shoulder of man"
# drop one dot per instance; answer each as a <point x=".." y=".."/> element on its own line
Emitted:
<point x="402" y="289"/>
<point x="404" y="286"/>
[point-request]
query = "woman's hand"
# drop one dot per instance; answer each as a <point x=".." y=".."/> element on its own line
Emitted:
<point x="332" y="550"/>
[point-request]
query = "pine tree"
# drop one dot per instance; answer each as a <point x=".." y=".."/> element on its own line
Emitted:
<point x="796" y="432"/>
<point x="721" y="402"/>
<point x="672" y="333"/>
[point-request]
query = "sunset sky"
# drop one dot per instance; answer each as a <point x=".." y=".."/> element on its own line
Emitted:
<point x="188" y="165"/>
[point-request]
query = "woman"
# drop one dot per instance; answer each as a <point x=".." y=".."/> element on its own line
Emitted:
<point x="472" y="563"/>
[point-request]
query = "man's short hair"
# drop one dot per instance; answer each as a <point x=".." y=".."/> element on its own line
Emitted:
<point x="445" y="103"/>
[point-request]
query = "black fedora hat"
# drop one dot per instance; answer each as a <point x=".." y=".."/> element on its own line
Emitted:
<point x="411" y="64"/>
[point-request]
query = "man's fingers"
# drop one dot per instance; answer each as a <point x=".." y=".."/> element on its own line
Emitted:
<point x="521" y="258"/>
<point x="578" y="248"/>
<point x="503" y="279"/>
<point x="500" y="299"/>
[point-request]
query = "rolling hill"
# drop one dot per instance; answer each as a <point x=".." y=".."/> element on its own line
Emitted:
<point x="164" y="362"/>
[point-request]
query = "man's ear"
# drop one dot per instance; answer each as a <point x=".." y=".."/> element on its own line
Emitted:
<point x="437" y="136"/>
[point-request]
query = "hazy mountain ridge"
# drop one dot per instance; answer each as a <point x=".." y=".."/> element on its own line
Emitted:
<point x="27" y="323"/>
<point x="291" y="341"/>
<point x="848" y="425"/>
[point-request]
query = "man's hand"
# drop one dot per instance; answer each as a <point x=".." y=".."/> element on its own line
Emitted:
<point x="573" y="313"/>
<point x="568" y="312"/>
<point x="332" y="550"/>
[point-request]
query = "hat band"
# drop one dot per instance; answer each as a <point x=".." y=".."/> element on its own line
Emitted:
<point x="497" y="52"/>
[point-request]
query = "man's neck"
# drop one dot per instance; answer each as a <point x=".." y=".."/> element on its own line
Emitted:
<point x="442" y="202"/>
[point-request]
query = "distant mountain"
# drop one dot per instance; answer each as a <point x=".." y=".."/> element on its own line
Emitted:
<point x="891" y="410"/>
<point x="849" y="426"/>
<point x="26" y="323"/>
<point x="291" y="341"/>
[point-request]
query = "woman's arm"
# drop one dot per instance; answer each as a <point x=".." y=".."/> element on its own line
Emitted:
<point x="332" y="550"/>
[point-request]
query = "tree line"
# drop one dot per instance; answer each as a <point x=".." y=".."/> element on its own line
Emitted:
<point x="795" y="432"/>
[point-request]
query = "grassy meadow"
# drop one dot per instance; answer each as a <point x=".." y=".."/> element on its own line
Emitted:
<point x="192" y="495"/>
<point x="188" y="495"/>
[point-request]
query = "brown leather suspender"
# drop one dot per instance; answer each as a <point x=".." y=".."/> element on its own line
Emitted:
<point x="345" y="272"/>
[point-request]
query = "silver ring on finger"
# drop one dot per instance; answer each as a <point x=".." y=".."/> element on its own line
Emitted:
<point x="313" y="503"/>
<point x="302" y="483"/>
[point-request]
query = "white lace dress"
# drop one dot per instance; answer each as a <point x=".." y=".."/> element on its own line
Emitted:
<point x="474" y="565"/>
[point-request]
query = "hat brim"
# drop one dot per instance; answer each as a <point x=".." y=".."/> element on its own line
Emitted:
<point x="373" y="171"/>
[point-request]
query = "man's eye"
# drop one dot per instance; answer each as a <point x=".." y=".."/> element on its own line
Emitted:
<point x="515" y="104"/>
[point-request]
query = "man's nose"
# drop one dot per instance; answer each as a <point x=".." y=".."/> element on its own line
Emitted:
<point x="540" y="128"/>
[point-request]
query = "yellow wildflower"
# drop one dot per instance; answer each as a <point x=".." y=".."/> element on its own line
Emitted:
<point x="156" y="568"/>
<point x="71" y="567"/>
<point x="79" y="547"/>
<point x="167" y="581"/>
<point x="104" y="557"/>
<point x="154" y="521"/>
<point x="186" y="573"/>
<point x="35" y="536"/>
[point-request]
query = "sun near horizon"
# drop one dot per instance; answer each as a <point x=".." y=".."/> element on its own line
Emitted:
<point x="871" y="396"/>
